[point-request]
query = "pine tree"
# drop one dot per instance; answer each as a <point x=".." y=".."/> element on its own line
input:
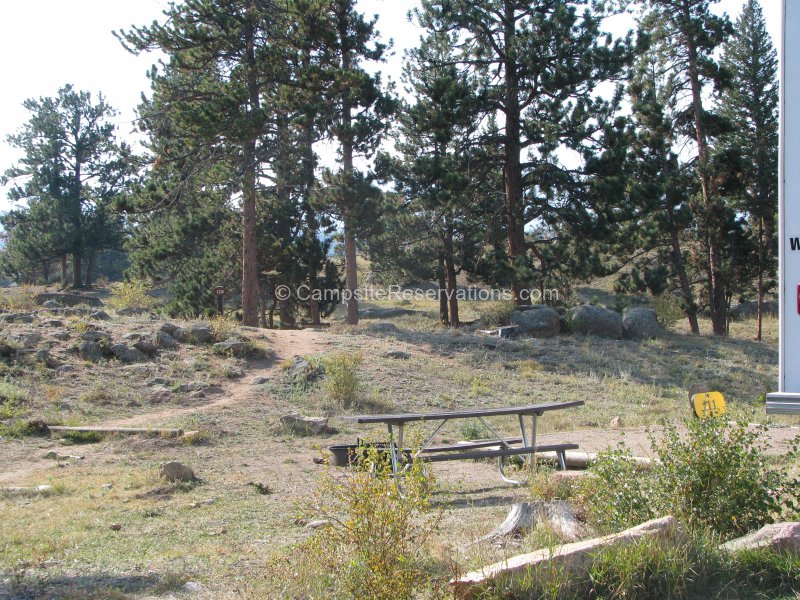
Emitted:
<point x="751" y="103"/>
<point x="540" y="64"/>
<point x="72" y="172"/>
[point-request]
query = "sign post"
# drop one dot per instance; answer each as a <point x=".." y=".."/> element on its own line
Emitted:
<point x="220" y="292"/>
<point x="787" y="399"/>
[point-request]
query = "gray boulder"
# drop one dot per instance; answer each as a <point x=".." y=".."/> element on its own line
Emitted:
<point x="165" y="340"/>
<point x="90" y="351"/>
<point x="232" y="347"/>
<point x="95" y="336"/>
<point x="68" y="299"/>
<point x="146" y="347"/>
<point x="100" y="315"/>
<point x="200" y="333"/>
<point x="168" y="328"/>
<point x="180" y="334"/>
<point x="784" y="537"/>
<point x="641" y="323"/>
<point x="127" y="354"/>
<point x="596" y="320"/>
<point x="175" y="471"/>
<point x="538" y="321"/>
<point x="301" y="423"/>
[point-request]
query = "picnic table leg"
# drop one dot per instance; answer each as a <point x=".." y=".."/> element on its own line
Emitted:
<point x="395" y="449"/>
<point x="524" y="435"/>
<point x="533" y="440"/>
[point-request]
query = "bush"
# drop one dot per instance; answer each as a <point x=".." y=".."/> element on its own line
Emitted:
<point x="373" y="544"/>
<point x="497" y="314"/>
<point x="342" y="382"/>
<point x="668" y="310"/>
<point x="222" y="328"/>
<point x="131" y="295"/>
<point x="718" y="479"/>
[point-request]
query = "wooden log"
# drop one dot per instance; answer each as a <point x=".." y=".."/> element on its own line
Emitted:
<point x="126" y="430"/>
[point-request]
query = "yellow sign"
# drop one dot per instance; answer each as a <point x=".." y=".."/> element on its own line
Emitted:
<point x="708" y="404"/>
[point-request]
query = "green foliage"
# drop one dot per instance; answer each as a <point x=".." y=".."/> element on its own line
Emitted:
<point x="81" y="437"/>
<point x="373" y="545"/>
<point x="669" y="310"/>
<point x="718" y="478"/>
<point x="131" y="295"/>
<point x="342" y="382"/>
<point x="544" y="484"/>
<point x="497" y="314"/>
<point x="472" y="430"/>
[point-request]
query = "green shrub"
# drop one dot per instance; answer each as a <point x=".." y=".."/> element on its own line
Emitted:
<point x="669" y="310"/>
<point x="131" y="295"/>
<point x="373" y="545"/>
<point x="342" y="382"/>
<point x="716" y="478"/>
<point x="497" y="314"/>
<point x="472" y="429"/>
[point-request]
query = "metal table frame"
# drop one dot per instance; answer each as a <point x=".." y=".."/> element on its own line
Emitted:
<point x="399" y="421"/>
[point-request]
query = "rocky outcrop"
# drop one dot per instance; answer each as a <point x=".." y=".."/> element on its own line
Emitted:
<point x="538" y="321"/>
<point x="595" y="320"/>
<point x="175" y="471"/>
<point x="777" y="536"/>
<point x="641" y="324"/>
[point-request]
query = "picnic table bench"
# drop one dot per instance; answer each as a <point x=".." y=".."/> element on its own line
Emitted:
<point x="498" y="446"/>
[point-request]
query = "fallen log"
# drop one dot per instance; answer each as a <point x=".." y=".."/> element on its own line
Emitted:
<point x="570" y="561"/>
<point x="126" y="430"/>
<point x="526" y="516"/>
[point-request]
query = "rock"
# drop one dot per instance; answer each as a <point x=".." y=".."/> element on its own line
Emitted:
<point x="175" y="471"/>
<point x="165" y="340"/>
<point x="382" y="328"/>
<point x="200" y="333"/>
<point x="192" y="386"/>
<point x="95" y="336"/>
<point x="90" y="351"/>
<point x="180" y="335"/>
<point x="62" y="335"/>
<point x="100" y="315"/>
<point x="52" y="323"/>
<point x="28" y="341"/>
<point x="314" y="425"/>
<point x="777" y="536"/>
<point x="51" y="304"/>
<point x="132" y="311"/>
<point x="133" y="336"/>
<point x="127" y="354"/>
<point x="259" y="380"/>
<point x="115" y="527"/>
<point x="234" y="372"/>
<point x="232" y="347"/>
<point x="64" y="369"/>
<point x="596" y="320"/>
<point x="44" y="357"/>
<point x="168" y="328"/>
<point x="538" y="321"/>
<point x="616" y="423"/>
<point x="17" y="318"/>
<point x="302" y="369"/>
<point x="749" y="310"/>
<point x="508" y="332"/>
<point x="384" y="313"/>
<point x="570" y="562"/>
<point x="192" y="587"/>
<point x="398" y="354"/>
<point x="53" y="455"/>
<point x="68" y="299"/>
<point x="317" y="524"/>
<point x="641" y="323"/>
<point x="145" y="347"/>
<point x="7" y="351"/>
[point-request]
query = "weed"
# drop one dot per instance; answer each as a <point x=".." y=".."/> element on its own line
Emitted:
<point x="544" y="484"/>
<point x="496" y="314"/>
<point x="342" y="382"/>
<point x="668" y="310"/>
<point x="131" y="295"/>
<point x="81" y="437"/>
<point x="222" y="328"/>
<point x="262" y="488"/>
<point x="472" y="430"/>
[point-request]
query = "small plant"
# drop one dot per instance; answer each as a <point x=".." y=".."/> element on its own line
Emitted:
<point x="374" y="541"/>
<point x="222" y="328"/>
<point x="342" y="382"/>
<point x="81" y="437"/>
<point x="472" y="430"/>
<point x="19" y="298"/>
<point x="261" y="488"/>
<point x="716" y="478"/>
<point x="668" y="310"/>
<point x="544" y="484"/>
<point x="497" y="314"/>
<point x="131" y="295"/>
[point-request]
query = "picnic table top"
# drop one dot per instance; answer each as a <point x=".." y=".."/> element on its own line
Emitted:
<point x="399" y="418"/>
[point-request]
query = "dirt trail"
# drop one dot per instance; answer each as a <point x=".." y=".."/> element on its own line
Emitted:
<point x="283" y="344"/>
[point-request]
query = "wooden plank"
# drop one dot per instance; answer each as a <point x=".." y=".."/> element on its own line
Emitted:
<point x="128" y="430"/>
<point x="472" y="445"/>
<point x="533" y="409"/>
<point x="496" y="453"/>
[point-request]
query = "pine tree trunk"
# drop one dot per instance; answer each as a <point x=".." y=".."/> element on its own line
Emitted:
<point x="512" y="169"/>
<point x="46" y="271"/>
<point x="249" y="248"/>
<point x="444" y="314"/>
<point x="64" y="272"/>
<point x="760" y="277"/>
<point x="686" y="288"/>
<point x="311" y="227"/>
<point x="89" y="270"/>
<point x="717" y="285"/>
<point x="77" y="283"/>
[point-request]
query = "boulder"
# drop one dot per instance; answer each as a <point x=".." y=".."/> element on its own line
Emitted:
<point x="165" y="340"/>
<point x="398" y="354"/>
<point x="570" y="562"/>
<point x="51" y="304"/>
<point x="175" y="471"/>
<point x="68" y="299"/>
<point x="100" y="315"/>
<point x="641" y="323"/>
<point x="200" y="333"/>
<point x="127" y="354"/>
<point x="382" y="328"/>
<point x="302" y="369"/>
<point x="146" y="347"/>
<point x="298" y="422"/>
<point x="538" y="321"/>
<point x="384" y="313"/>
<point x="17" y="318"/>
<point x="90" y="351"/>
<point x="168" y="328"/>
<point x="749" y="310"/>
<point x="232" y="347"/>
<point x="45" y="358"/>
<point x="52" y="323"/>
<point x="62" y="336"/>
<point x="95" y="336"/>
<point x="133" y="336"/>
<point x="777" y="536"/>
<point x="596" y="320"/>
<point x="259" y="380"/>
<point x="180" y="334"/>
<point x="28" y="341"/>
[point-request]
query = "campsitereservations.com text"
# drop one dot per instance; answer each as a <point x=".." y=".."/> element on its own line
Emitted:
<point x="398" y="293"/>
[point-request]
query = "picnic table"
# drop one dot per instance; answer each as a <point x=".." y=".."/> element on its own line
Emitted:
<point x="498" y="446"/>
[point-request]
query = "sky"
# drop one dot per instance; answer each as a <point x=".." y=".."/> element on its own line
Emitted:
<point x="46" y="44"/>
